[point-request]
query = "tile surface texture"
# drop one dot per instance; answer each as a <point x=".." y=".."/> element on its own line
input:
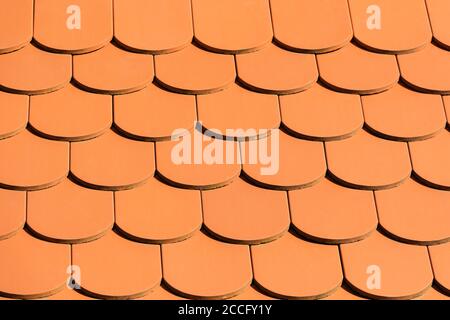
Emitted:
<point x="96" y="97"/>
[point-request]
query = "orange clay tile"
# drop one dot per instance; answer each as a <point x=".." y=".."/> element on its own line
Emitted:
<point x="22" y="74"/>
<point x="113" y="267"/>
<point x="112" y="70"/>
<point x="329" y="213"/>
<point x="301" y="163"/>
<point x="16" y="24"/>
<point x="68" y="295"/>
<point x="433" y="294"/>
<point x="446" y="100"/>
<point x="31" y="268"/>
<point x="305" y="26"/>
<point x="437" y="10"/>
<point x="158" y="213"/>
<point x="274" y="70"/>
<point x="200" y="169"/>
<point x="164" y="26"/>
<point x="355" y="70"/>
<point x="153" y="114"/>
<point x="404" y="270"/>
<point x="237" y="108"/>
<point x="73" y="26"/>
<point x="440" y="260"/>
<point x="13" y="114"/>
<point x="112" y="162"/>
<point x="291" y="268"/>
<point x="69" y="213"/>
<point x="405" y="115"/>
<point x="29" y="162"/>
<point x="431" y="160"/>
<point x="427" y="70"/>
<point x="232" y="26"/>
<point x="404" y="25"/>
<point x="343" y="294"/>
<point x="367" y="162"/>
<point x="242" y="213"/>
<point x="12" y="212"/>
<point x="193" y="70"/>
<point x="201" y="267"/>
<point x="251" y="294"/>
<point x="321" y="114"/>
<point x="414" y="213"/>
<point x="70" y="114"/>
<point x="160" y="293"/>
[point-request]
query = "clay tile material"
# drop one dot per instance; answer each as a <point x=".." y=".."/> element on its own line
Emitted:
<point x="311" y="26"/>
<point x="158" y="213"/>
<point x="242" y="213"/>
<point x="232" y="26"/>
<point x="397" y="19"/>
<point x="13" y="114"/>
<point x="438" y="12"/>
<point x="113" y="267"/>
<point x="427" y="70"/>
<point x="191" y="161"/>
<point x="68" y="294"/>
<point x="355" y="70"/>
<point x="159" y="293"/>
<point x="329" y="213"/>
<point x="251" y="294"/>
<point x="291" y="163"/>
<point x="112" y="162"/>
<point x="70" y="114"/>
<point x="433" y="294"/>
<point x="237" y="108"/>
<point x="69" y="213"/>
<point x="321" y="114"/>
<point x="440" y="259"/>
<point x="404" y="115"/>
<point x="112" y="70"/>
<point x="274" y="70"/>
<point x="31" y="268"/>
<point x="21" y="74"/>
<point x="12" y="212"/>
<point x="431" y="160"/>
<point x="201" y="267"/>
<point x="153" y="114"/>
<point x="414" y="213"/>
<point x="343" y="294"/>
<point x="291" y="268"/>
<point x="446" y="100"/>
<point x="164" y="26"/>
<point x="29" y="162"/>
<point x="16" y="24"/>
<point x="366" y="162"/>
<point x="378" y="267"/>
<point x="73" y="27"/>
<point x="195" y="71"/>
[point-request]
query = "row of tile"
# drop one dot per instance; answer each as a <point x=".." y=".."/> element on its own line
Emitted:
<point x="225" y="26"/>
<point x="69" y="213"/>
<point x="200" y="267"/>
<point x="194" y="71"/>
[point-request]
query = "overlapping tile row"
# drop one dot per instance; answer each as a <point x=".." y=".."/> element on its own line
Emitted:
<point x="86" y="175"/>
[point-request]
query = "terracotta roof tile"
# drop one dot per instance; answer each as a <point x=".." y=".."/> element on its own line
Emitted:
<point x="437" y="10"/>
<point x="16" y="24"/>
<point x="250" y="214"/>
<point x="440" y="260"/>
<point x="433" y="294"/>
<point x="232" y="26"/>
<point x="447" y="108"/>
<point x="305" y="26"/>
<point x="364" y="161"/>
<point x="159" y="293"/>
<point x="204" y="268"/>
<point x="80" y="27"/>
<point x="12" y="212"/>
<point x="165" y="26"/>
<point x="274" y="70"/>
<point x="370" y="72"/>
<point x="252" y="294"/>
<point x="13" y="114"/>
<point x="397" y="18"/>
<point x="343" y="294"/>
<point x="21" y="74"/>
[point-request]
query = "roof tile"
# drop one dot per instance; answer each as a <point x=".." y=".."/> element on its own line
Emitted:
<point x="13" y="114"/>
<point x="280" y="268"/>
<point x="56" y="27"/>
<point x="12" y="212"/>
<point x="354" y="70"/>
<point x="304" y="26"/>
<point x="232" y="26"/>
<point x="249" y="214"/>
<point x="164" y="26"/>
<point x="16" y="24"/>
<point x="437" y="10"/>
<point x="204" y="268"/>
<point x="440" y="260"/>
